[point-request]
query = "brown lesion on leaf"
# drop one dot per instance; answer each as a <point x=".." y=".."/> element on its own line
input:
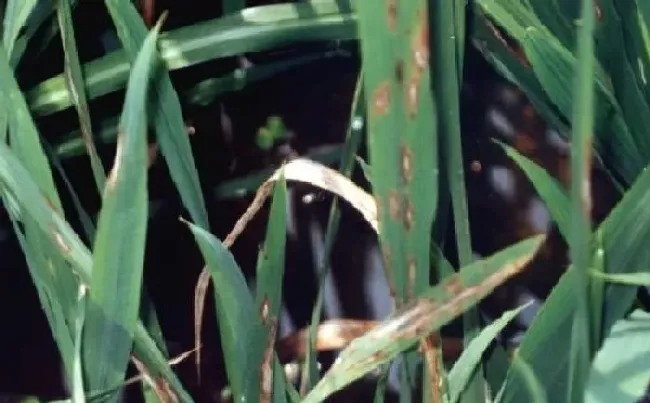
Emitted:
<point x="511" y="46"/>
<point x="113" y="175"/>
<point x="599" y="11"/>
<point x="407" y="163"/>
<point x="265" y="309"/>
<point x="391" y="13"/>
<point x="59" y="241"/>
<point x="409" y="215"/>
<point x="420" y="44"/>
<point x="51" y="205"/>
<point x="381" y="99"/>
<point x="412" y="90"/>
<point x="266" y="367"/>
<point x="453" y="285"/>
<point x="431" y="348"/>
<point x="393" y="204"/>
<point x="412" y="275"/>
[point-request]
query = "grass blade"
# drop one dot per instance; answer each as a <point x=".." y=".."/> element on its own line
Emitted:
<point x="461" y="373"/>
<point x="582" y="121"/>
<point x="637" y="279"/>
<point x="447" y="86"/>
<point x="624" y="233"/>
<point x="551" y="192"/>
<point x="270" y="276"/>
<point x="77" y="89"/>
<point x="234" y="305"/>
<point x="16" y="14"/>
<point x="255" y="29"/>
<point x="25" y="201"/>
<point x="346" y="165"/>
<point x="78" y="389"/>
<point x="166" y="115"/>
<point x="118" y="252"/>
<point x="435" y="307"/>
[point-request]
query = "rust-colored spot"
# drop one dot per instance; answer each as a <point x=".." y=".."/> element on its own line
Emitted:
<point x="51" y="204"/>
<point x="381" y="99"/>
<point x="60" y="242"/>
<point x="412" y="97"/>
<point x="392" y="15"/>
<point x="453" y="286"/>
<point x="393" y="204"/>
<point x="266" y="366"/>
<point x="409" y="216"/>
<point x="476" y="166"/>
<point x="113" y="175"/>
<point x="407" y="164"/>
<point x="399" y="71"/>
<point x="420" y="43"/>
<point x="510" y="46"/>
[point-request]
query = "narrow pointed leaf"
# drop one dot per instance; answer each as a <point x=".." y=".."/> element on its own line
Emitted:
<point x="466" y="364"/>
<point x="166" y="114"/>
<point x="551" y="192"/>
<point x="75" y="83"/>
<point x="624" y="233"/>
<point x="238" y="319"/>
<point x="118" y="251"/>
<point x="434" y="308"/>
<point x="15" y="17"/>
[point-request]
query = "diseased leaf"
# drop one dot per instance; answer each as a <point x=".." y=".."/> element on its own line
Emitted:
<point x="434" y="308"/>
<point x="118" y="251"/>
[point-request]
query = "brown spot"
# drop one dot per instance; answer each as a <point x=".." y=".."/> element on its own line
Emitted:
<point x="412" y="274"/>
<point x="454" y="285"/>
<point x="60" y="242"/>
<point x="393" y="204"/>
<point x="407" y="164"/>
<point x="392" y="15"/>
<point x="266" y="367"/>
<point x="510" y="46"/>
<point x="51" y="204"/>
<point x="420" y="44"/>
<point x="382" y="99"/>
<point x="265" y="309"/>
<point x="399" y="71"/>
<point x="599" y="12"/>
<point x="409" y="216"/>
<point x="476" y="166"/>
<point x="412" y="97"/>
<point x="113" y="175"/>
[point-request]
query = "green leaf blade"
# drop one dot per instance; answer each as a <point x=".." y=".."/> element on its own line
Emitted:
<point x="118" y="252"/>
